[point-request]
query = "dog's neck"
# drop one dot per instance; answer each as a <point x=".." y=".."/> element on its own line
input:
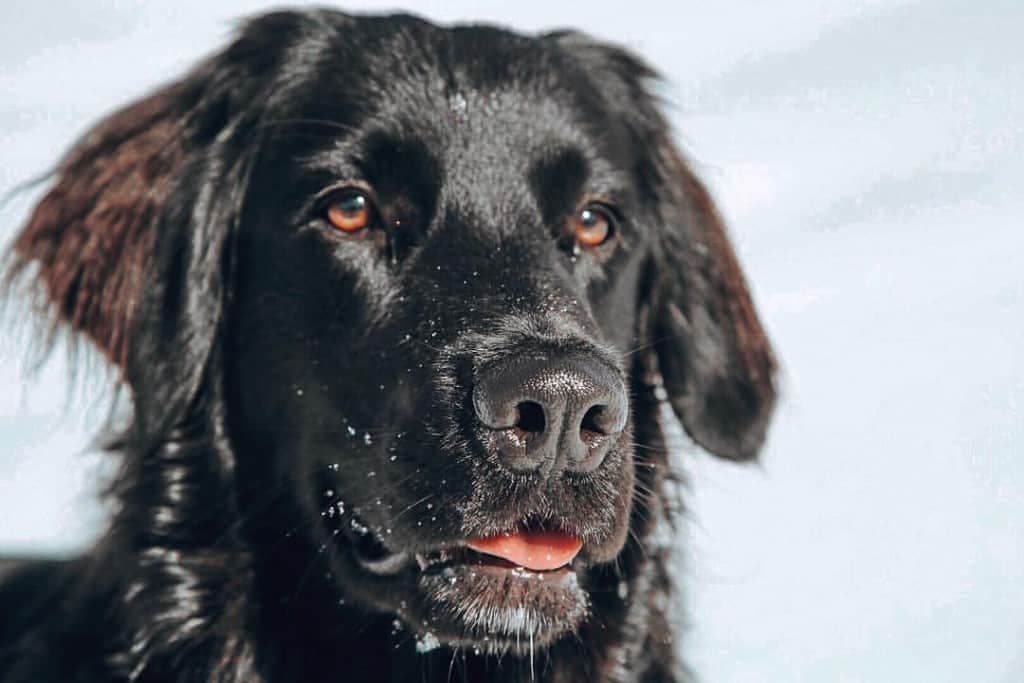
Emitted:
<point x="229" y="599"/>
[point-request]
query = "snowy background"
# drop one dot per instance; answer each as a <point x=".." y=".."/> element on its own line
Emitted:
<point x="870" y="158"/>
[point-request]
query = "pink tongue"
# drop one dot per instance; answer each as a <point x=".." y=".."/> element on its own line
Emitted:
<point x="537" y="550"/>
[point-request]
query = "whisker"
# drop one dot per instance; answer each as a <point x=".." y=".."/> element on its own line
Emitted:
<point x="645" y="447"/>
<point x="639" y="544"/>
<point x="533" y="676"/>
<point x="309" y="567"/>
<point x="412" y="505"/>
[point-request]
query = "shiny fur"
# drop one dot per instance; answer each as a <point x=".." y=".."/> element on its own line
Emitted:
<point x="301" y="396"/>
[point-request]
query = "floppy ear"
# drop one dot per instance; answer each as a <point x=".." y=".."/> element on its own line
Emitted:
<point x="130" y="247"/>
<point x="713" y="355"/>
<point x="89" y="237"/>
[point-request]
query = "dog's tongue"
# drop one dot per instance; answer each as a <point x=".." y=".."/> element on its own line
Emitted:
<point x="537" y="550"/>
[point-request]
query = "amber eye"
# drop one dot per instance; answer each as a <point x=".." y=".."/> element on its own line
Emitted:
<point x="350" y="212"/>
<point x="592" y="226"/>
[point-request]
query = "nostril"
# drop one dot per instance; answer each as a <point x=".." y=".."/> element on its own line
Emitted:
<point x="551" y="413"/>
<point x="594" y="421"/>
<point x="530" y="417"/>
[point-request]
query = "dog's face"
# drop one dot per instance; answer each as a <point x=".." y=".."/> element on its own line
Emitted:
<point x="428" y="270"/>
<point x="437" y="298"/>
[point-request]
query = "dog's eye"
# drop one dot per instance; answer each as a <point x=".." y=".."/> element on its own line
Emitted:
<point x="593" y="225"/>
<point x="350" y="211"/>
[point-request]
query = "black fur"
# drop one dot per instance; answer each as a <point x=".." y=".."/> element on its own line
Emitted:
<point x="302" y="397"/>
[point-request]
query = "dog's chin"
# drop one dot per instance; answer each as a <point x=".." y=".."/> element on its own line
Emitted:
<point x="456" y="597"/>
<point x="498" y="609"/>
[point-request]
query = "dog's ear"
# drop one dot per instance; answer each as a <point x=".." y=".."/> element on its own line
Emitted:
<point x="130" y="245"/>
<point x="713" y="356"/>
<point x="88" y="239"/>
<point x="712" y="352"/>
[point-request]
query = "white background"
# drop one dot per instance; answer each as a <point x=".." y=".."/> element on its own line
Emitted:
<point x="870" y="158"/>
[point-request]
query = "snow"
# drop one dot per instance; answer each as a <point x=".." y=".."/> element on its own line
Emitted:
<point x="870" y="158"/>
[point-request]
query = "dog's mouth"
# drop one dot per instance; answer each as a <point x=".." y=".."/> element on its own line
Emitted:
<point x="522" y="549"/>
<point x="499" y="593"/>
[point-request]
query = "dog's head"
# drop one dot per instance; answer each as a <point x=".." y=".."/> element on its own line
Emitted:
<point x="423" y="273"/>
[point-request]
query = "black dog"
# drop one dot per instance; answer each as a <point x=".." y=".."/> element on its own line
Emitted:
<point x="396" y="306"/>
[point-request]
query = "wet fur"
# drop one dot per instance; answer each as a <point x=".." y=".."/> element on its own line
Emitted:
<point x="212" y="568"/>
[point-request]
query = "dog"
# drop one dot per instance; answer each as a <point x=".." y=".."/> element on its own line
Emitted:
<point x="396" y="307"/>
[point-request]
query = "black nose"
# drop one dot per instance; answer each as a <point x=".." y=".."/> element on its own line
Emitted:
<point x="543" y="413"/>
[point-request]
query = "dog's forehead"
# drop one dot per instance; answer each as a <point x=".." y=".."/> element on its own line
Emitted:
<point x="474" y="98"/>
<point x="477" y="91"/>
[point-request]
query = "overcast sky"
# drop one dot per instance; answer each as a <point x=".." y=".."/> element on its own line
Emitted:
<point x="870" y="158"/>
